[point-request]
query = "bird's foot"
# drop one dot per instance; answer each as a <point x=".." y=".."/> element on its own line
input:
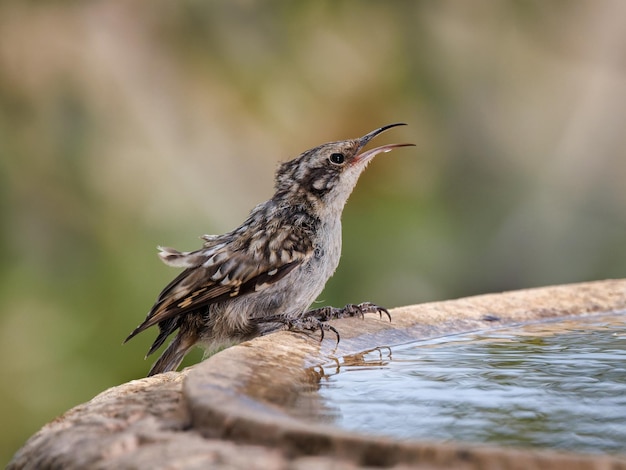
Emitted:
<point x="312" y="324"/>
<point x="314" y="320"/>
<point x="350" y="310"/>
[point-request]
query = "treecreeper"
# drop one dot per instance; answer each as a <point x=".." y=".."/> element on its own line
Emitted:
<point x="263" y="276"/>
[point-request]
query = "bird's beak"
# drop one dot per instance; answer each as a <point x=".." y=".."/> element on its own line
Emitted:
<point x="369" y="154"/>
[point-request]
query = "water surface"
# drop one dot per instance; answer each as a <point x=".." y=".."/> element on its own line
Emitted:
<point x="557" y="385"/>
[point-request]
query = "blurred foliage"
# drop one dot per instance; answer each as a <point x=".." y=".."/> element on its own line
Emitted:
<point x="124" y="125"/>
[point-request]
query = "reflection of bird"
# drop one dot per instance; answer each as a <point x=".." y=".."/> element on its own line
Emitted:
<point x="263" y="275"/>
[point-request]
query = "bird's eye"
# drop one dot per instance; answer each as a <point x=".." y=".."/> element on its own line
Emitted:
<point x="337" y="158"/>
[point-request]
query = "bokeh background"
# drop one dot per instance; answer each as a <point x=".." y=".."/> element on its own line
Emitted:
<point x="124" y="125"/>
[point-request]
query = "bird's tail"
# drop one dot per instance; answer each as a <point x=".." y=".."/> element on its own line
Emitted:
<point x="173" y="354"/>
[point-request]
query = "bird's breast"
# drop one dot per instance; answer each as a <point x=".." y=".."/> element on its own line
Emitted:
<point x="327" y="247"/>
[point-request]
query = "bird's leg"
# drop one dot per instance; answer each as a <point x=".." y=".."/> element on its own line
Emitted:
<point x="311" y="324"/>
<point x="351" y="310"/>
<point x="316" y="319"/>
<point x="280" y="322"/>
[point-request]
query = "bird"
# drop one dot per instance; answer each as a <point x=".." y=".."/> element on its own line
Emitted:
<point x="262" y="276"/>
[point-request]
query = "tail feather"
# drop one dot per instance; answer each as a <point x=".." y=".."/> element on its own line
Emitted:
<point x="173" y="355"/>
<point x="181" y="259"/>
<point x="166" y="328"/>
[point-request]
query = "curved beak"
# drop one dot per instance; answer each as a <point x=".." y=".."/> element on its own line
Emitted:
<point x="367" y="137"/>
<point x="369" y="154"/>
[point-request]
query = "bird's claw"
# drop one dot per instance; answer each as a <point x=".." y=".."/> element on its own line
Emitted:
<point x="313" y="324"/>
<point x="352" y="310"/>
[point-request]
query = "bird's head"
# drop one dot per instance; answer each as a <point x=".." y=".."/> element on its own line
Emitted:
<point x="326" y="175"/>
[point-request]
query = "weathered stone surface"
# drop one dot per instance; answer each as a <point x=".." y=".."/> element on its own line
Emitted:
<point x="238" y="409"/>
<point x="143" y="425"/>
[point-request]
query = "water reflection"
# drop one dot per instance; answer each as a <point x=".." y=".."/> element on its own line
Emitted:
<point x="558" y="385"/>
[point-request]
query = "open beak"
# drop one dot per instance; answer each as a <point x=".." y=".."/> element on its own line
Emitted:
<point x="369" y="154"/>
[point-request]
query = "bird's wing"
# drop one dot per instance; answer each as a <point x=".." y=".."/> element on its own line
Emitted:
<point x="226" y="270"/>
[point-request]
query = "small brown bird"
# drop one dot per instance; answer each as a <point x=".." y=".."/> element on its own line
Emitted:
<point x="262" y="276"/>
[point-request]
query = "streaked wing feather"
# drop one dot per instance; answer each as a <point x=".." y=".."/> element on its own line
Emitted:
<point x="221" y="274"/>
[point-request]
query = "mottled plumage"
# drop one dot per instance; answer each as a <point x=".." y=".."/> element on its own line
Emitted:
<point x="263" y="275"/>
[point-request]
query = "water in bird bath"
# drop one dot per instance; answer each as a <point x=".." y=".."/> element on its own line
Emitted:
<point x="559" y="385"/>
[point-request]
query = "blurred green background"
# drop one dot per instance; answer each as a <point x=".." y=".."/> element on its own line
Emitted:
<point x="124" y="125"/>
